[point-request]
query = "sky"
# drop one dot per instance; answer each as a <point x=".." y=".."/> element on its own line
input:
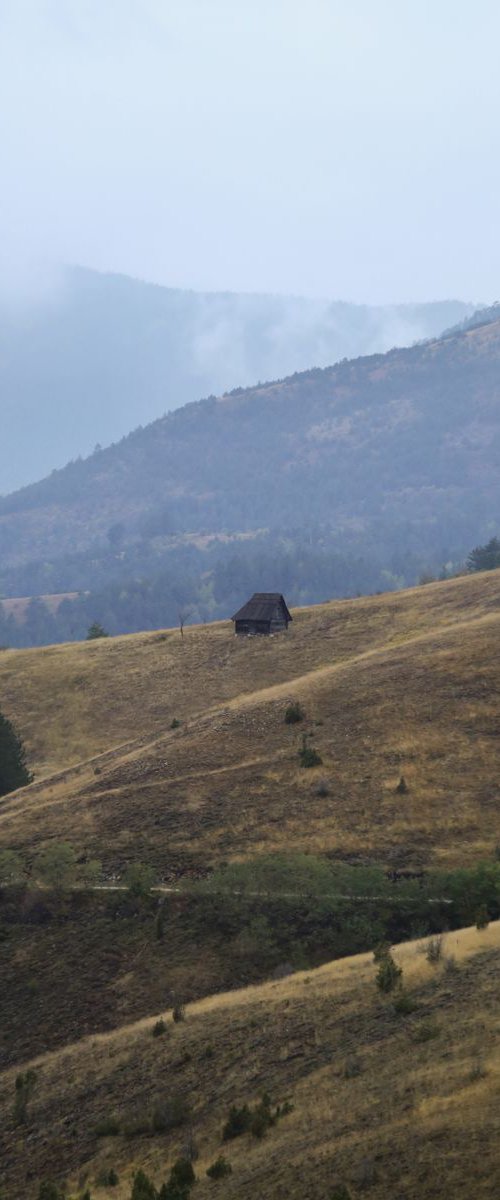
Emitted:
<point x="333" y="148"/>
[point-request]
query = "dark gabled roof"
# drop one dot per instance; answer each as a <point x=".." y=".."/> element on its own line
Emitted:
<point x="261" y="607"/>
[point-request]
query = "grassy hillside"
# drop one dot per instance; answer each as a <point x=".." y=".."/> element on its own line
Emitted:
<point x="397" y="684"/>
<point x="402" y="1105"/>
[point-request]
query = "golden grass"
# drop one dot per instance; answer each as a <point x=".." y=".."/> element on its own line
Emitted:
<point x="419" y="1117"/>
<point x="405" y="683"/>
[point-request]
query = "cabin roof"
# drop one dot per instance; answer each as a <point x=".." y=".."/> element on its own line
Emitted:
<point x="261" y="607"/>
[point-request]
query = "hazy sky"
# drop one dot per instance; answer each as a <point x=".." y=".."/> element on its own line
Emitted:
<point x="344" y="148"/>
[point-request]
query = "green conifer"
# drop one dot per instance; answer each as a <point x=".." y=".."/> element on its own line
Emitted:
<point x="13" y="770"/>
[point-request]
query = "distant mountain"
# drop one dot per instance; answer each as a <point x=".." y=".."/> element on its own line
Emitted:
<point x="106" y="353"/>
<point x="393" y="450"/>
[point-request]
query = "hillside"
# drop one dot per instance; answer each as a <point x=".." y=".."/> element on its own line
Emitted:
<point x="403" y="683"/>
<point x="357" y="478"/>
<point x="402" y="1105"/>
<point x="102" y="354"/>
<point x="409" y="436"/>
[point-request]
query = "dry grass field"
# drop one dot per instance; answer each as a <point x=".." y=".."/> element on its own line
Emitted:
<point x="400" y="1106"/>
<point x="403" y="683"/>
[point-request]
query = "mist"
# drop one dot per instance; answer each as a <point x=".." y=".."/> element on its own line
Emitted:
<point x="311" y="150"/>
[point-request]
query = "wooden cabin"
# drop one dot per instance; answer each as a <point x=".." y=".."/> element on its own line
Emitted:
<point x="265" y="613"/>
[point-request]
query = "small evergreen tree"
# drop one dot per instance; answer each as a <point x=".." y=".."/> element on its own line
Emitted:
<point x="485" y="558"/>
<point x="13" y="770"/>
<point x="143" y="1188"/>
<point x="388" y="974"/>
<point x="94" y="631"/>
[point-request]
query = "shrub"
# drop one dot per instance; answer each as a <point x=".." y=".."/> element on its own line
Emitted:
<point x="262" y="1118"/>
<point x="381" y="951"/>
<point x="293" y="714"/>
<point x="220" y="1168"/>
<point x="404" y="1004"/>
<point x="388" y="974"/>
<point x="143" y="1188"/>
<point x="341" y="1192"/>
<point x="434" y="950"/>
<point x="182" y="1173"/>
<point x="178" y="1013"/>
<point x="139" y="879"/>
<point x="238" y="1122"/>
<point x="108" y="1178"/>
<point x="159" y="1028"/>
<point x="482" y="917"/>
<point x="175" y="724"/>
<point x="402" y="787"/>
<point x="426" y="1032"/>
<point x="321" y="788"/>
<point x="50" y="1191"/>
<point x="352" y="1067"/>
<point x="308" y="756"/>
<point x="56" y="865"/>
<point x="24" y="1088"/>
<point x="107" y="1127"/>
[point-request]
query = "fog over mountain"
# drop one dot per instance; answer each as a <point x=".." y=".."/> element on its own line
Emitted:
<point x="99" y="355"/>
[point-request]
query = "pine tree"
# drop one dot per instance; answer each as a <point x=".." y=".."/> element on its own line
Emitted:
<point x="13" y="770"/>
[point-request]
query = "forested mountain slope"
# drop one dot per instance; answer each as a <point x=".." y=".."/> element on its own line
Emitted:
<point x="102" y="354"/>
<point x="412" y="436"/>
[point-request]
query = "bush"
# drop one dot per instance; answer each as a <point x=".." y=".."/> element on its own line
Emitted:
<point x="402" y="787"/>
<point x="262" y="1118"/>
<point x="308" y="756"/>
<point x="352" y="1067"/>
<point x="175" y="724"/>
<point x="108" y="1178"/>
<point x="321" y="788"/>
<point x="143" y="1188"/>
<point x="182" y="1173"/>
<point x="178" y="1013"/>
<point x="50" y="1191"/>
<point x="293" y="714"/>
<point x="220" y="1168"/>
<point x="238" y="1122"/>
<point x="56" y="865"/>
<point x="426" y="1032"/>
<point x="388" y="974"/>
<point x="139" y="879"/>
<point x="108" y="1127"/>
<point x="434" y="950"/>
<point x="159" y="1028"/>
<point x="404" y="1004"/>
<point x="381" y="951"/>
<point x="341" y="1192"/>
<point x="482" y="917"/>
